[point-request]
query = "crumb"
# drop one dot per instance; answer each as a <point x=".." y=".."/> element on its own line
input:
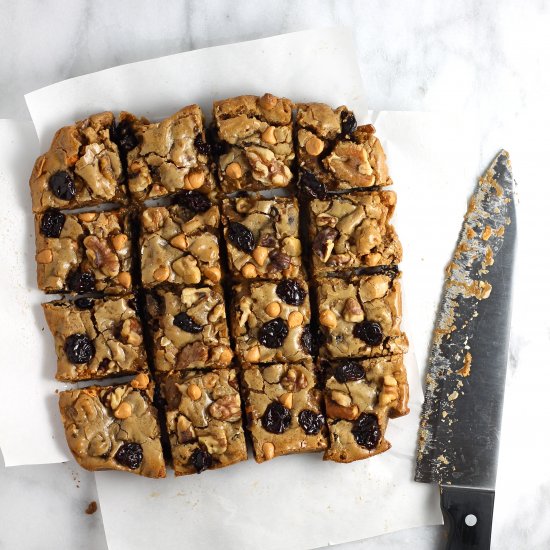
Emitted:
<point x="92" y="508"/>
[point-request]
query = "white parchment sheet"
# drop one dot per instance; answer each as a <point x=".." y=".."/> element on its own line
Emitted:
<point x="291" y="502"/>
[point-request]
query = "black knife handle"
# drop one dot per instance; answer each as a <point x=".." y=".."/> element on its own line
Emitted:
<point x="457" y="503"/>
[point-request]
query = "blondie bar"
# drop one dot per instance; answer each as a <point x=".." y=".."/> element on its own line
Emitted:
<point x="85" y="252"/>
<point x="179" y="245"/>
<point x="82" y="167"/>
<point x="283" y="407"/>
<point x="169" y="155"/>
<point x="203" y="418"/>
<point x="336" y="155"/>
<point x="360" y="396"/>
<point x="189" y="328"/>
<point x="270" y="321"/>
<point x="96" y="338"/>
<point x="361" y="316"/>
<point x="256" y="134"/>
<point x="353" y="231"/>
<point x="114" y="428"/>
<point x="262" y="237"/>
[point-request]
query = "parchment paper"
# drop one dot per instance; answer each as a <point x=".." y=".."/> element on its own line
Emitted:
<point x="297" y="501"/>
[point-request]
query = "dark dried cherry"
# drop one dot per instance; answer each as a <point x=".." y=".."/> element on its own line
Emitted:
<point x="273" y="333"/>
<point x="79" y="348"/>
<point x="84" y="303"/>
<point x="217" y="148"/>
<point x="241" y="237"/>
<point x="311" y="186"/>
<point x="81" y="282"/>
<point x="348" y="371"/>
<point x="125" y="137"/>
<point x="52" y="223"/>
<point x="201" y="460"/>
<point x="291" y="292"/>
<point x="130" y="455"/>
<point x="310" y="421"/>
<point x="268" y="240"/>
<point x="184" y="321"/>
<point x="366" y="431"/>
<point x="322" y="239"/>
<point x="369" y="331"/>
<point x="201" y="146"/>
<point x="62" y="185"/>
<point x="349" y="124"/>
<point x="194" y="201"/>
<point x="276" y="418"/>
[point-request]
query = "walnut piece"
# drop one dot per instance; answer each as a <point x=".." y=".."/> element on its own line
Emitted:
<point x="102" y="256"/>
<point x="226" y="408"/>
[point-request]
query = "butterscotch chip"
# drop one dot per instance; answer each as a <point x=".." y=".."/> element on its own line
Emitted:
<point x="273" y="309"/>
<point x="124" y="410"/>
<point x="268" y="102"/>
<point x="295" y="319"/>
<point x="268" y="135"/>
<point x="260" y="254"/>
<point x="248" y="271"/>
<point x="233" y="170"/>
<point x="45" y="256"/>
<point x="194" y="392"/>
<point x="314" y="146"/>
<point x="87" y="216"/>
<point x="253" y="354"/>
<point x="119" y="241"/>
<point x="268" y="450"/>
<point x="327" y="318"/>
<point x="196" y="179"/>
<point x="161" y="274"/>
<point x="141" y="381"/>
<point x="179" y="241"/>
<point x="125" y="279"/>
<point x="213" y="273"/>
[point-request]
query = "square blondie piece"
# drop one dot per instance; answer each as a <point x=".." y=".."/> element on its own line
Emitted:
<point x="168" y="156"/>
<point x="85" y="252"/>
<point x="189" y="328"/>
<point x="256" y="134"/>
<point x="353" y="231"/>
<point x="96" y="338"/>
<point x="204" y="420"/>
<point x="361" y="316"/>
<point x="283" y="408"/>
<point x="336" y="155"/>
<point x="82" y="167"/>
<point x="179" y="246"/>
<point x="360" y="396"/>
<point x="262" y="237"/>
<point x="270" y="321"/>
<point x="114" y="428"/>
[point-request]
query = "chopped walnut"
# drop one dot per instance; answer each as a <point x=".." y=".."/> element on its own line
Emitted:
<point x="100" y="254"/>
<point x="227" y="407"/>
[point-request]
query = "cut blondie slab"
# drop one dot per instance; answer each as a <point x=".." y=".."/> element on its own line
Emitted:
<point x="270" y="321"/>
<point x="283" y="408"/>
<point x="262" y="237"/>
<point x="180" y="246"/>
<point x="203" y="418"/>
<point x="82" y="167"/>
<point x="256" y="133"/>
<point x="96" y="338"/>
<point x="360" y="396"/>
<point x="114" y="428"/>
<point x="85" y="252"/>
<point x="361" y="316"/>
<point x="353" y="231"/>
<point x="168" y="156"/>
<point x="336" y="155"/>
<point x="189" y="328"/>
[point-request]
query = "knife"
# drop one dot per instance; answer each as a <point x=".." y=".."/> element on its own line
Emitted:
<point x="460" y="423"/>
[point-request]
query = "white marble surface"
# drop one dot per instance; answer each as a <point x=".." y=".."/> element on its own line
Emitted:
<point x="488" y="58"/>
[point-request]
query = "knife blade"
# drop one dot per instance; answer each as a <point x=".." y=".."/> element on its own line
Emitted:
<point x="461" y="416"/>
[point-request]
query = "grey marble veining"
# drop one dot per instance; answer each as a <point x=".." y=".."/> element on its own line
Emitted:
<point x="487" y="58"/>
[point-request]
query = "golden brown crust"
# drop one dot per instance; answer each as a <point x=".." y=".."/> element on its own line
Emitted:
<point x="87" y="153"/>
